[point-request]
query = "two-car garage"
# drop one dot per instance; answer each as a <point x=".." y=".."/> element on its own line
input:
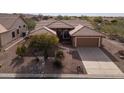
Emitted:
<point x="85" y="37"/>
<point x="87" y="41"/>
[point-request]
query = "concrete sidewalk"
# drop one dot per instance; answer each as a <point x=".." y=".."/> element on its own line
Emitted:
<point x="8" y="46"/>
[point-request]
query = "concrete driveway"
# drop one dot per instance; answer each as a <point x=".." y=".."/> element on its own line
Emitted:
<point x="96" y="62"/>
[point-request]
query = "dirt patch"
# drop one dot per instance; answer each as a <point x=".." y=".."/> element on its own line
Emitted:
<point x="109" y="55"/>
<point x="70" y="64"/>
<point x="111" y="50"/>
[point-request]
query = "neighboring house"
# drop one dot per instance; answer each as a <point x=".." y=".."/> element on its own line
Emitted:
<point x="77" y="32"/>
<point x="11" y="28"/>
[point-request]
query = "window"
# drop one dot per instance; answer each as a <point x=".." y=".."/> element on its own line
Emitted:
<point x="13" y="34"/>
<point x="19" y="26"/>
<point x="17" y="31"/>
<point x="23" y="25"/>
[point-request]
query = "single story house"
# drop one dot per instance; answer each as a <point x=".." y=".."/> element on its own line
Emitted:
<point x="11" y="28"/>
<point x="79" y="33"/>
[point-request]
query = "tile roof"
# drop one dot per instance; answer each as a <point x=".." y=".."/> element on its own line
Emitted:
<point x="81" y="27"/>
<point x="7" y="21"/>
<point x="59" y="24"/>
<point x="42" y="29"/>
<point x="63" y="23"/>
<point x="8" y="15"/>
<point x="44" y="23"/>
<point x="86" y="31"/>
<point x="76" y="22"/>
<point x="48" y="29"/>
<point x="76" y="29"/>
<point x="2" y="29"/>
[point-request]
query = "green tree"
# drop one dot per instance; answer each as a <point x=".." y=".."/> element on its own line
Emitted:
<point x="30" y="23"/>
<point x="84" y="17"/>
<point x="20" y="51"/>
<point x="59" y="17"/>
<point x="114" y="29"/>
<point x="66" y="17"/>
<point x="43" y="42"/>
<point x="98" y="19"/>
<point x="114" y="21"/>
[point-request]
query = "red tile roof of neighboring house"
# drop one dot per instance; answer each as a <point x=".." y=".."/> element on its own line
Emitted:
<point x="8" y="20"/>
<point x="2" y="29"/>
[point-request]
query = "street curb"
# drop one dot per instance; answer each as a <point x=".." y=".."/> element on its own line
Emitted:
<point x="59" y="76"/>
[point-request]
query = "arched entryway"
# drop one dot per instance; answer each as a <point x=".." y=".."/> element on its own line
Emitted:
<point x="63" y="34"/>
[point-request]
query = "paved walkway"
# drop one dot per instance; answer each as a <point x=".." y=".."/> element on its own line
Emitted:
<point x="13" y="43"/>
<point x="96" y="62"/>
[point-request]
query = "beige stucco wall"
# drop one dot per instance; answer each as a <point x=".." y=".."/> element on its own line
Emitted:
<point x="19" y="22"/>
<point x="7" y="36"/>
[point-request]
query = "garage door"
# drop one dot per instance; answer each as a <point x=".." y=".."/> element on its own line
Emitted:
<point x="87" y="42"/>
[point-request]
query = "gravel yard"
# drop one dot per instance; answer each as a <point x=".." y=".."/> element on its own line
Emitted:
<point x="70" y="63"/>
<point x="10" y="63"/>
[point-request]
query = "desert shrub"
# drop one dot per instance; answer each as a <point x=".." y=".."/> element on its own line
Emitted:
<point x="59" y="17"/>
<point x="113" y="36"/>
<point x="58" y="59"/>
<point x="35" y="18"/>
<point x="114" y="21"/>
<point x="45" y="17"/>
<point x="57" y="63"/>
<point x="59" y="54"/>
<point x="98" y="19"/>
<point x="30" y="23"/>
<point x="66" y="17"/>
<point x="20" y="51"/>
<point x="85" y="18"/>
<point x="107" y="22"/>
